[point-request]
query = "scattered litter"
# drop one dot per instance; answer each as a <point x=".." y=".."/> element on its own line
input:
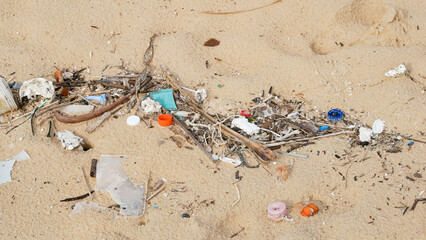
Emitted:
<point x="378" y="126"/>
<point x="397" y="72"/>
<point x="101" y="98"/>
<point x="111" y="178"/>
<point x="294" y="154"/>
<point x="165" y="120"/>
<point x="212" y="42"/>
<point x="245" y="113"/>
<point x="149" y="106"/>
<point x="70" y="141"/>
<point x="58" y="76"/>
<point x="185" y="215"/>
<point x="282" y="173"/>
<point x="182" y="114"/>
<point x="77" y="109"/>
<point x="232" y="161"/>
<point x="365" y="134"/>
<point x="243" y="124"/>
<point x="335" y="115"/>
<point x="81" y="206"/>
<point x="410" y="143"/>
<point x="323" y="128"/>
<point x="165" y="98"/>
<point x="37" y="87"/>
<point x="277" y="211"/>
<point x="156" y="193"/>
<point x="7" y="102"/>
<point x="310" y="210"/>
<point x="5" y="169"/>
<point x="133" y="120"/>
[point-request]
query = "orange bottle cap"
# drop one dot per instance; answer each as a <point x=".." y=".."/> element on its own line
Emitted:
<point x="165" y="120"/>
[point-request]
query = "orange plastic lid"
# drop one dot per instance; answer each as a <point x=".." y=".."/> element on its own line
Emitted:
<point x="165" y="120"/>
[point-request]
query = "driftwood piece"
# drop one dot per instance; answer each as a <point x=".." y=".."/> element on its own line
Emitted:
<point x="263" y="153"/>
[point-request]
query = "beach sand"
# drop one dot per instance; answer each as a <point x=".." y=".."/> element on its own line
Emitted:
<point x="329" y="54"/>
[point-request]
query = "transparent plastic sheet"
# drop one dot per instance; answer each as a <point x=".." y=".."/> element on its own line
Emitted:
<point x="111" y="178"/>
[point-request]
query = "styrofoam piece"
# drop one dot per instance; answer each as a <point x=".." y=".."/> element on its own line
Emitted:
<point x="378" y="126"/>
<point x="243" y="124"/>
<point x="398" y="71"/>
<point x="365" y="134"/>
<point x="111" y="178"/>
<point x="149" y="106"/>
<point x="37" y="87"/>
<point x="5" y="169"/>
<point x="69" y="140"/>
<point x="133" y="120"/>
<point x="77" y="109"/>
<point x="7" y="102"/>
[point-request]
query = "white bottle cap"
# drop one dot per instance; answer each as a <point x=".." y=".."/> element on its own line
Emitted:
<point x="133" y="120"/>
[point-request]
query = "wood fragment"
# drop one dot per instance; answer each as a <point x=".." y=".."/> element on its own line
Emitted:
<point x="145" y="195"/>
<point x="93" y="167"/>
<point x="77" y="198"/>
<point x="101" y="119"/>
<point x="235" y="234"/>
<point x="307" y="138"/>
<point x="149" y="53"/>
<point x="415" y="203"/>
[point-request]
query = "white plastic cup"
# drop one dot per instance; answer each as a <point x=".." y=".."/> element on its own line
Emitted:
<point x="7" y="102"/>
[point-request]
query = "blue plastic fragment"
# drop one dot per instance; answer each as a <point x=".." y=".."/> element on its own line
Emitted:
<point x="155" y="207"/>
<point x="335" y="115"/>
<point x="410" y="143"/>
<point x="165" y="98"/>
<point x="323" y="128"/>
<point x="100" y="98"/>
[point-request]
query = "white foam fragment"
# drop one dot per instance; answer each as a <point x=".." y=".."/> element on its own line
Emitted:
<point x="5" y="169"/>
<point x="365" y="134"/>
<point x="150" y="106"/>
<point x="243" y="124"/>
<point x="398" y="71"/>
<point x="111" y="178"/>
<point x="378" y="126"/>
<point x="69" y="140"/>
<point x="77" y="109"/>
<point x="37" y="87"/>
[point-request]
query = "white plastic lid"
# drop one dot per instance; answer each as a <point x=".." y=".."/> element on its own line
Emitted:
<point x="133" y="120"/>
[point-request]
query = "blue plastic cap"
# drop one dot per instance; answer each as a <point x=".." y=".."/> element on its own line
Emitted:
<point x="335" y="115"/>
<point x="410" y="143"/>
<point x="323" y="128"/>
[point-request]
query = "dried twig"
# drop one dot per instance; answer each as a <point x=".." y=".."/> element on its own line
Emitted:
<point x="146" y="193"/>
<point x="242" y="11"/>
<point x="101" y="119"/>
<point x="307" y="138"/>
<point x="157" y="192"/>
<point x="85" y="182"/>
<point x="77" y="198"/>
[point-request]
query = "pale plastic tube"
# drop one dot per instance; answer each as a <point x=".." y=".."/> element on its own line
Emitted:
<point x="277" y="211"/>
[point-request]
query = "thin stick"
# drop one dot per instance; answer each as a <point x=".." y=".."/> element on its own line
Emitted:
<point x="157" y="192"/>
<point x="85" y="182"/>
<point x="239" y="197"/>
<point x="76" y="198"/>
<point x="308" y="138"/>
<point x="209" y="155"/>
<point x="241" y="11"/>
<point x="101" y="119"/>
<point x="146" y="193"/>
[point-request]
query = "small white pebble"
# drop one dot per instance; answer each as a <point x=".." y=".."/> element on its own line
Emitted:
<point x="42" y="130"/>
<point x="20" y="139"/>
<point x="165" y="194"/>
